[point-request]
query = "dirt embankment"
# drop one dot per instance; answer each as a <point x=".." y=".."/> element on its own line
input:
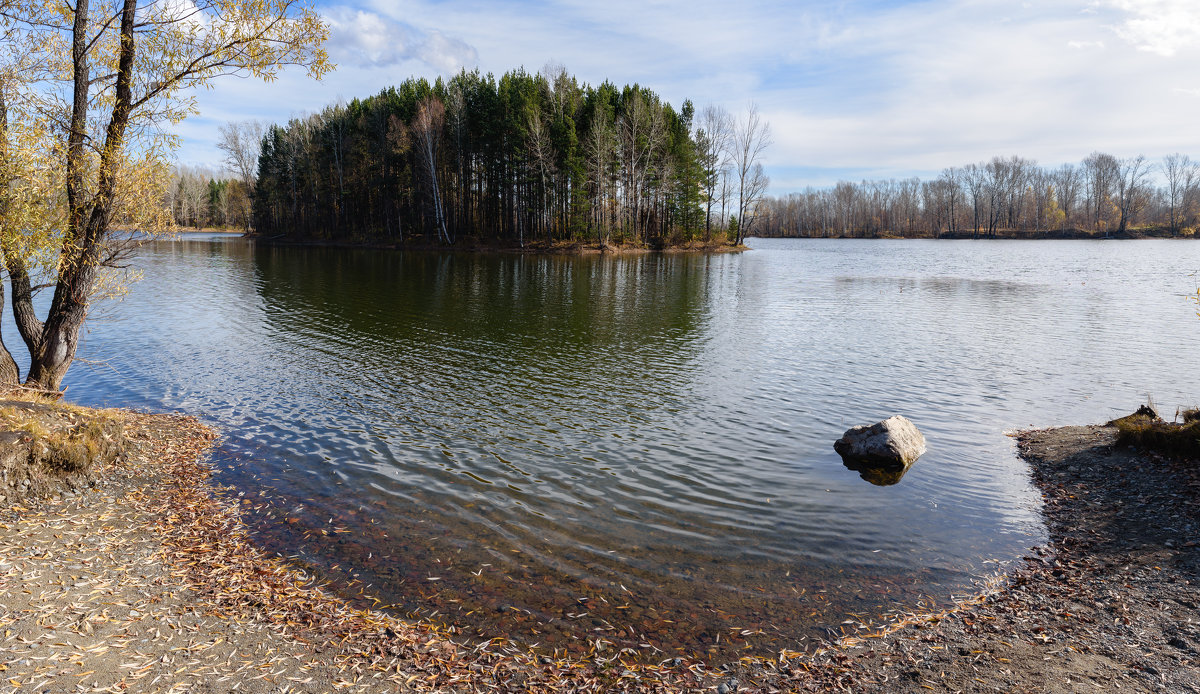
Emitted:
<point x="50" y="449"/>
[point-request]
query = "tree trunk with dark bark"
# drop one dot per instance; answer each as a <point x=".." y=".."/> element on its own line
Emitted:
<point x="9" y="375"/>
<point x="52" y="344"/>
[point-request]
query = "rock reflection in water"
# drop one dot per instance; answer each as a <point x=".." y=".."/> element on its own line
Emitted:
<point x="878" y="475"/>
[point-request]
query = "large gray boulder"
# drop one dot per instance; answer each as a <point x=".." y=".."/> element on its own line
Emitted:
<point x="895" y="443"/>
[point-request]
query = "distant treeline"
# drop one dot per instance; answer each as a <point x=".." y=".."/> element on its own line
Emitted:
<point x="198" y="197"/>
<point x="1003" y="197"/>
<point x="525" y="158"/>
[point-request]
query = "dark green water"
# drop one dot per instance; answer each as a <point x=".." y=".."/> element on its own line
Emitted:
<point x="640" y="449"/>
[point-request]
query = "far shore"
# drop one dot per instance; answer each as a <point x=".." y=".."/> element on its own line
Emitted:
<point x="1009" y="235"/>
<point x="473" y="244"/>
<point x="210" y="230"/>
<point x="480" y="245"/>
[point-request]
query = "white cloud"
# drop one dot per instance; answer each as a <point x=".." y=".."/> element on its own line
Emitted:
<point x="847" y="86"/>
<point x="448" y="54"/>
<point x="367" y="39"/>
<point x="949" y="83"/>
<point x="1162" y="27"/>
<point x="182" y="14"/>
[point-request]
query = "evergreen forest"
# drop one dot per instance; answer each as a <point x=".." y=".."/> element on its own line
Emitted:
<point x="524" y="159"/>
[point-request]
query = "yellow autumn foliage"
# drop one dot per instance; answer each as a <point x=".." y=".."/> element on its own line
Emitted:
<point x="180" y="46"/>
<point x="88" y="94"/>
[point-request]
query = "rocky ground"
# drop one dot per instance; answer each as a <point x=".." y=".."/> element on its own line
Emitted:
<point x="151" y="582"/>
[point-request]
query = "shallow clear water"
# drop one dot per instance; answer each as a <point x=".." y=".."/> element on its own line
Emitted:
<point x="640" y="448"/>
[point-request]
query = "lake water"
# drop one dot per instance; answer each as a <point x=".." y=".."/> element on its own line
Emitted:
<point x="639" y="449"/>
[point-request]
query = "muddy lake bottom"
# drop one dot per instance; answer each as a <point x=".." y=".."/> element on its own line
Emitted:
<point x="436" y="574"/>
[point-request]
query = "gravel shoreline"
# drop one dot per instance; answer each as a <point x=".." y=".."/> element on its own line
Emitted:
<point x="1110" y="603"/>
<point x="153" y="583"/>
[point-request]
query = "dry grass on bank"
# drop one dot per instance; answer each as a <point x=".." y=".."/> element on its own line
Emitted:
<point x="47" y="448"/>
<point x="1144" y="429"/>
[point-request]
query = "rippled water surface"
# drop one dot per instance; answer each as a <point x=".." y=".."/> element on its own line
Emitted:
<point x="640" y="448"/>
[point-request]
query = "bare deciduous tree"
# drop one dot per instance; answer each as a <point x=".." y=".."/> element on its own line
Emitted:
<point x="541" y="158"/>
<point x="1180" y="173"/>
<point x="600" y="147"/>
<point x="712" y="144"/>
<point x="975" y="178"/>
<point x="191" y="195"/>
<point x="241" y="142"/>
<point x="1131" y="189"/>
<point x="952" y="185"/>
<point x="750" y="140"/>
<point x="427" y="133"/>
<point x="1067" y="180"/>
<point x="1100" y="174"/>
<point x="642" y="134"/>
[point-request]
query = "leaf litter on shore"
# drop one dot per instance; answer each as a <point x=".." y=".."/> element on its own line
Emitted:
<point x="154" y="583"/>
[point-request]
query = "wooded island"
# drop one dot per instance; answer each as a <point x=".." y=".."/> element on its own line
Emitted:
<point x="526" y="158"/>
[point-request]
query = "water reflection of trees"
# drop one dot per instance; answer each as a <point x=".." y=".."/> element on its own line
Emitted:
<point x="568" y="315"/>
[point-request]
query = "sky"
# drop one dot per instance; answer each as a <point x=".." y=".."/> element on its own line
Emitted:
<point x="852" y="89"/>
